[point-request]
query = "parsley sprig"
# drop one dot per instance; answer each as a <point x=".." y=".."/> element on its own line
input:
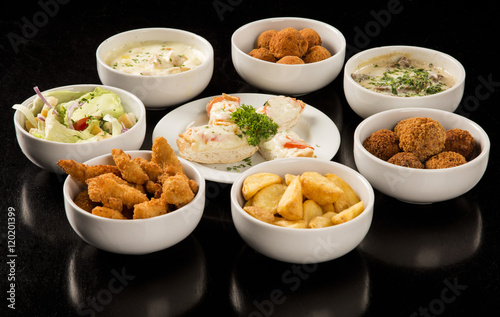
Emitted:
<point x="255" y="126"/>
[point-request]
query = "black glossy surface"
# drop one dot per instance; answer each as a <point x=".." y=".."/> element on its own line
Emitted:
<point x="417" y="260"/>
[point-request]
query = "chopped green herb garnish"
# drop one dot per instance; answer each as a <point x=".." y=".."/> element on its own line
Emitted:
<point x="255" y="126"/>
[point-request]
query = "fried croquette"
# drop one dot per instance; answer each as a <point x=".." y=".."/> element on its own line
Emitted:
<point x="264" y="38"/>
<point x="263" y="54"/>
<point x="406" y="159"/>
<point x="286" y="42"/>
<point x="421" y="136"/>
<point x="290" y="60"/>
<point x="445" y="159"/>
<point x="316" y="53"/>
<point x="311" y="36"/>
<point x="382" y="143"/>
<point x="460" y="141"/>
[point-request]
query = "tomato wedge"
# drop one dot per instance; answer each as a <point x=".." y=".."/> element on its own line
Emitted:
<point x="296" y="144"/>
<point x="81" y="124"/>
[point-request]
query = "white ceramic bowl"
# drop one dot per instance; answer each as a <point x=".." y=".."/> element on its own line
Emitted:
<point x="287" y="79"/>
<point x="138" y="236"/>
<point x="366" y="102"/>
<point x="303" y="245"/>
<point x="45" y="154"/>
<point x="157" y="92"/>
<point x="420" y="185"/>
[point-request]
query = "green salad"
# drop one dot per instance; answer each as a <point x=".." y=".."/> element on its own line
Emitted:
<point x="74" y="117"/>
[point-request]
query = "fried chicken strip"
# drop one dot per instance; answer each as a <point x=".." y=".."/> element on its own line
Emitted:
<point x="82" y="172"/>
<point x="177" y="190"/>
<point x="152" y="208"/>
<point x="105" y="188"/>
<point x="131" y="170"/>
<point x="165" y="157"/>
<point x="107" y="213"/>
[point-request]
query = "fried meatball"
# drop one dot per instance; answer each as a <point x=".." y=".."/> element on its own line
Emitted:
<point x="287" y="42"/>
<point x="406" y="159"/>
<point x="382" y="143"/>
<point x="460" y="141"/>
<point x="316" y="54"/>
<point x="312" y="37"/>
<point x="423" y="137"/>
<point x="445" y="159"/>
<point x="264" y="38"/>
<point x="290" y="60"/>
<point x="263" y="54"/>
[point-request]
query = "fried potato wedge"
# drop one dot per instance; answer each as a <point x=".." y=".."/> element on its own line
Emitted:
<point x="349" y="197"/>
<point x="320" y="222"/>
<point x="349" y="213"/>
<point x="318" y="188"/>
<point x="260" y="213"/>
<point x="311" y="210"/>
<point x="257" y="181"/>
<point x="269" y="197"/>
<point x="290" y="205"/>
<point x="297" y="224"/>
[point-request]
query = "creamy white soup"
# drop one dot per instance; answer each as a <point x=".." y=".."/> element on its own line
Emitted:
<point x="155" y="58"/>
<point x="402" y="76"/>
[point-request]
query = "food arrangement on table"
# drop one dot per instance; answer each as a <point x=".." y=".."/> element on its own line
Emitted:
<point x="225" y="137"/>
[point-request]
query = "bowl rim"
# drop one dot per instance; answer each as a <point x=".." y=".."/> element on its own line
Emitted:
<point x="428" y="112"/>
<point x="70" y="200"/>
<point x="354" y="58"/>
<point x="368" y="206"/>
<point x="136" y="126"/>
<point x="340" y="52"/>
<point x="208" y="60"/>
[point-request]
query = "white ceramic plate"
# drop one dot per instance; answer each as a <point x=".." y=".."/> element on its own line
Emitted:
<point x="314" y="127"/>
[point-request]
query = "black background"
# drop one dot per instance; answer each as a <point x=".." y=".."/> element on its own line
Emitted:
<point x="417" y="260"/>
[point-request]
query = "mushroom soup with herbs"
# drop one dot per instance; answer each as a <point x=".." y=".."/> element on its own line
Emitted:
<point x="155" y="58"/>
<point x="398" y="75"/>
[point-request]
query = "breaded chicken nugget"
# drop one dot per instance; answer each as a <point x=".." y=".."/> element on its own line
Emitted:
<point x="406" y="159"/>
<point x="82" y="172"/>
<point x="83" y="201"/>
<point x="103" y="187"/>
<point x="264" y="38"/>
<point x="152" y="208"/>
<point x="263" y="54"/>
<point x="316" y="53"/>
<point x="177" y="190"/>
<point x="107" y="213"/>
<point x="290" y="60"/>
<point x="288" y="42"/>
<point x="445" y="159"/>
<point x="421" y="136"/>
<point x="382" y="143"/>
<point x="131" y="170"/>
<point x="152" y="169"/>
<point x="311" y="36"/>
<point x="460" y="141"/>
<point x="165" y="157"/>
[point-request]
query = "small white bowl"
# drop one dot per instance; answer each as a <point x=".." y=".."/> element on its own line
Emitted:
<point x="366" y="102"/>
<point x="287" y="79"/>
<point x="157" y="92"/>
<point x="303" y="245"/>
<point x="413" y="185"/>
<point x="45" y="154"/>
<point x="138" y="236"/>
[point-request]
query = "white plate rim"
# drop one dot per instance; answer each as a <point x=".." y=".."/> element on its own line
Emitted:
<point x="325" y="134"/>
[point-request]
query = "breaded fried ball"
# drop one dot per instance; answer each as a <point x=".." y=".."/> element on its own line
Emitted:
<point x="290" y="60"/>
<point x="312" y="37"/>
<point x="460" y="141"/>
<point x="423" y="137"/>
<point x="406" y="159"/>
<point x="316" y="54"/>
<point x="382" y="143"/>
<point x="445" y="159"/>
<point x="288" y="42"/>
<point x="264" y="38"/>
<point x="263" y="54"/>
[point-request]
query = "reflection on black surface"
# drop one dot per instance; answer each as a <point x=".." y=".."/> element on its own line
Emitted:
<point x="166" y="283"/>
<point x="423" y="236"/>
<point x="260" y="286"/>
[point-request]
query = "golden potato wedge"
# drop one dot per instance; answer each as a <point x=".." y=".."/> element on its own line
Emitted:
<point x="349" y="213"/>
<point x="290" y="205"/>
<point x="289" y="178"/>
<point x="298" y="224"/>
<point x="349" y="197"/>
<point x="255" y="182"/>
<point x="328" y="208"/>
<point x="311" y="210"/>
<point x="248" y="202"/>
<point x="329" y="214"/>
<point x="262" y="214"/>
<point x="320" y="222"/>
<point x="318" y="188"/>
<point x="269" y="197"/>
